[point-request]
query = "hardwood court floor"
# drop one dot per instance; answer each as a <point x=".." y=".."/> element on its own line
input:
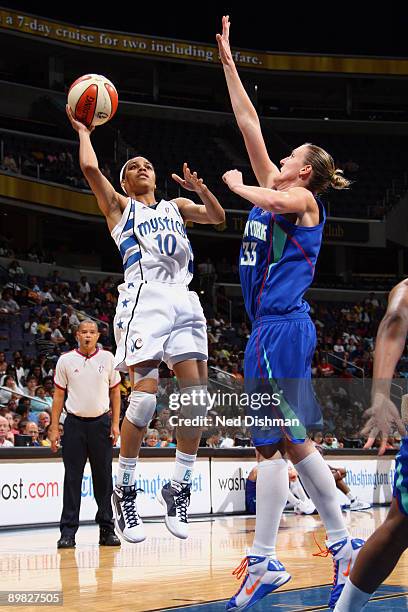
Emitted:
<point x="164" y="572"/>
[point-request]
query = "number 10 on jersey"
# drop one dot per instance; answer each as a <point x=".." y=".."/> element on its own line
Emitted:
<point x="167" y="245"/>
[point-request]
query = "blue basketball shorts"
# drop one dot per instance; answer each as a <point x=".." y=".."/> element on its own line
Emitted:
<point x="278" y="361"/>
<point x="401" y="477"/>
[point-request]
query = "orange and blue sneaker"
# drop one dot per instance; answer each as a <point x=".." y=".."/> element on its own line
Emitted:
<point x="344" y="554"/>
<point x="262" y="575"/>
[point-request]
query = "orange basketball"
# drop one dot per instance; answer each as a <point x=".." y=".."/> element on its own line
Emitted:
<point x="93" y="99"/>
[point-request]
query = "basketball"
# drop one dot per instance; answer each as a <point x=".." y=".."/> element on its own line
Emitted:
<point x="93" y="99"/>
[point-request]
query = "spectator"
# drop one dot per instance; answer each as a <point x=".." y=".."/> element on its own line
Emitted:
<point x="48" y="384"/>
<point x="31" y="429"/>
<point x="44" y="420"/>
<point x="9" y="416"/>
<point x="4" y="431"/>
<point x="166" y="438"/>
<point x="7" y="304"/>
<point x="10" y="390"/>
<point x="45" y="439"/>
<point x="20" y="373"/>
<point x="152" y="439"/>
<point x="32" y="384"/>
<point x="16" y="422"/>
<point x="44" y="345"/>
<point x="3" y="363"/>
<point x="43" y="402"/>
<point x="15" y="271"/>
<point x="33" y="284"/>
<point x="46" y="295"/>
<point x="9" y="163"/>
<point x="338" y="348"/>
<point x="56" y="335"/>
<point x="325" y="369"/>
<point x="72" y="317"/>
<point x="214" y="438"/>
<point x="330" y="441"/>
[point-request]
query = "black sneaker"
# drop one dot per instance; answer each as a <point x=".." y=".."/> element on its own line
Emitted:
<point x="175" y="498"/>
<point x="108" y="538"/>
<point x="66" y="542"/>
<point x="128" y="523"/>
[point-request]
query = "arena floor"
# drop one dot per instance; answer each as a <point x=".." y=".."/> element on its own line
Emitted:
<point x="164" y="573"/>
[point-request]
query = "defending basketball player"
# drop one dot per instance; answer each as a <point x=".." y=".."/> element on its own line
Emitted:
<point x="279" y="251"/>
<point x="383" y="549"/>
<point x="157" y="319"/>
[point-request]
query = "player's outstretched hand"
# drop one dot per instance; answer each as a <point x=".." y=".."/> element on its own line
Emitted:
<point x="77" y="125"/>
<point x="223" y="42"/>
<point x="233" y="178"/>
<point x="383" y="417"/>
<point x="191" y="182"/>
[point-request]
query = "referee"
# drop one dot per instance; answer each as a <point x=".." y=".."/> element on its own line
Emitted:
<point x="87" y="378"/>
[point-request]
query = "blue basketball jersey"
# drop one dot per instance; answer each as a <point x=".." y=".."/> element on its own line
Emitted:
<point x="277" y="263"/>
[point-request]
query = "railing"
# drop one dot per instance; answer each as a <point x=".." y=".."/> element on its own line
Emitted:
<point x="227" y="303"/>
<point x="349" y="364"/>
<point x="20" y="395"/>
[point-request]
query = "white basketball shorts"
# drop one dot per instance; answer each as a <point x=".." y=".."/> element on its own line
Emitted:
<point x="158" y="321"/>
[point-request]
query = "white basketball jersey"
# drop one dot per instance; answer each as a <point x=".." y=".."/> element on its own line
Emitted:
<point x="153" y="243"/>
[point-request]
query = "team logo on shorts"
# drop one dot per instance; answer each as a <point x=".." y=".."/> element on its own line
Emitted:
<point x="136" y="344"/>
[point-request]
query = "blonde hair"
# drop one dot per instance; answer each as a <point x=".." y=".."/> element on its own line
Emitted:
<point x="324" y="172"/>
<point x="151" y="432"/>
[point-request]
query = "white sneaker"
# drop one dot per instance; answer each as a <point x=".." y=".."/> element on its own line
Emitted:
<point x="175" y="498"/>
<point x="357" y="504"/>
<point x="128" y="523"/>
<point x="263" y="576"/>
<point x="305" y="507"/>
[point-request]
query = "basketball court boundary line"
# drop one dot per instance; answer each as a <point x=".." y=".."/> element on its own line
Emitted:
<point x="308" y="609"/>
<point x="213" y="601"/>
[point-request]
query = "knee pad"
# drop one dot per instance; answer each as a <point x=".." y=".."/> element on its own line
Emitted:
<point x="141" y="408"/>
<point x="194" y="401"/>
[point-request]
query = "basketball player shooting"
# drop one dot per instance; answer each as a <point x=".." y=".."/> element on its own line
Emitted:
<point x="157" y="319"/>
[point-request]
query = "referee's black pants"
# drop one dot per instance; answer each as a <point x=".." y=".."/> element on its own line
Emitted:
<point x="86" y="438"/>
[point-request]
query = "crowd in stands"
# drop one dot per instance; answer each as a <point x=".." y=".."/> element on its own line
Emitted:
<point x="376" y="169"/>
<point x="38" y="322"/>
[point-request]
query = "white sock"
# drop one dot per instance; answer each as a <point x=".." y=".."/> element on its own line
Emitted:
<point x="126" y="471"/>
<point x="352" y="599"/>
<point x="298" y="490"/>
<point x="183" y="468"/>
<point x="350" y="496"/>
<point x="319" y="483"/>
<point x="272" y="486"/>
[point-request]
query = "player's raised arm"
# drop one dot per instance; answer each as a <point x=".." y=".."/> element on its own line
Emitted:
<point x="109" y="200"/>
<point x="248" y="122"/>
<point x="210" y="211"/>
